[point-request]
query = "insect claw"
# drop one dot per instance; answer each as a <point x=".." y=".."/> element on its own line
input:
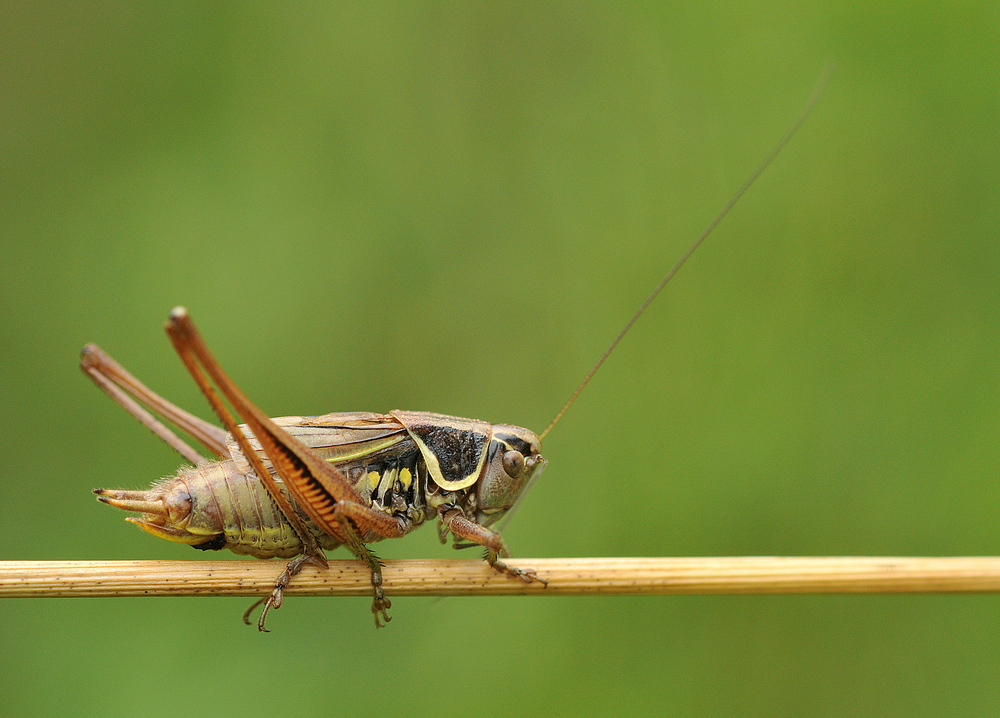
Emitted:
<point x="528" y="575"/>
<point x="246" y="613"/>
<point x="381" y="606"/>
<point x="273" y="600"/>
<point x="260" y="623"/>
<point x="278" y="592"/>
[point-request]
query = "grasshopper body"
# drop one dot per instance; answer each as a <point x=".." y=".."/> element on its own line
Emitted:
<point x="296" y="486"/>
<point x="223" y="504"/>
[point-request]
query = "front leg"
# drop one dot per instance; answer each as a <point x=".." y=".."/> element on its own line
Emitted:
<point x="492" y="542"/>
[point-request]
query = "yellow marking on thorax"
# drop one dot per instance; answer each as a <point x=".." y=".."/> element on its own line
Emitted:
<point x="405" y="478"/>
<point x="373" y="478"/>
<point x="388" y="479"/>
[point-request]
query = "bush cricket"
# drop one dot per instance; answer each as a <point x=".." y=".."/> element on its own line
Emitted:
<point x="293" y="487"/>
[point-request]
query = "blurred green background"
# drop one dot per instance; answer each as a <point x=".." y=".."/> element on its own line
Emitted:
<point x="454" y="208"/>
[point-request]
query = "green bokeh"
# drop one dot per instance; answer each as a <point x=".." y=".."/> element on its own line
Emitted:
<point x="454" y="209"/>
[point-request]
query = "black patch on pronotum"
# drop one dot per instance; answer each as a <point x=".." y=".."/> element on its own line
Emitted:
<point x="457" y="450"/>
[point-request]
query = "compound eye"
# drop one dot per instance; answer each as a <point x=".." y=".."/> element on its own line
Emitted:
<point x="513" y="463"/>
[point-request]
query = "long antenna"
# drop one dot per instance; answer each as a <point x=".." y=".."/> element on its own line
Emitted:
<point x="810" y="104"/>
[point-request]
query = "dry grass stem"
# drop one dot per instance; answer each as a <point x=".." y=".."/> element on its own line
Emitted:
<point x="749" y="574"/>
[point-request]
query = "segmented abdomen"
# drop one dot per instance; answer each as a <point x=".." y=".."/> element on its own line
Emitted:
<point x="234" y="511"/>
